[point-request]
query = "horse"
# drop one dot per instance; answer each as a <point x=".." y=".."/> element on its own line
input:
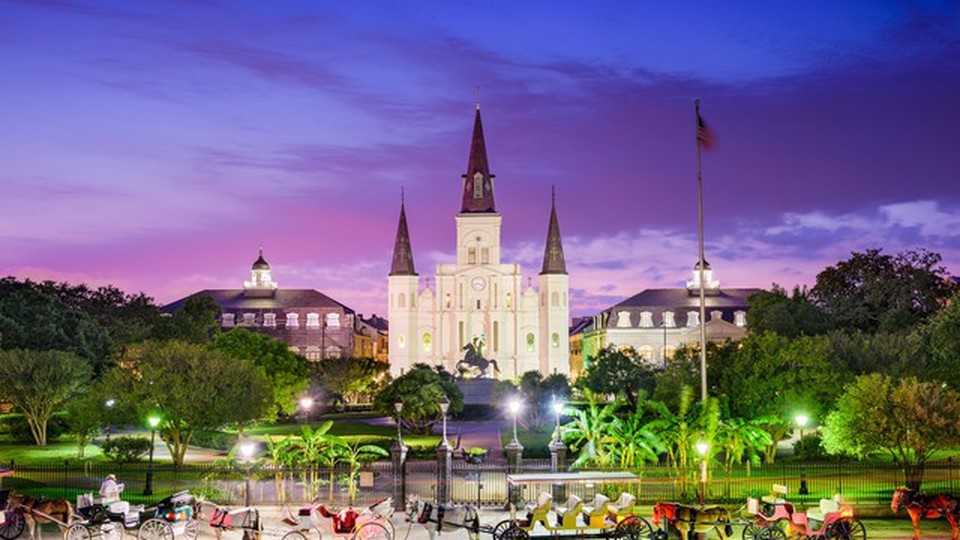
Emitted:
<point x="689" y="520"/>
<point x="473" y="359"/>
<point x="455" y="516"/>
<point x="920" y="505"/>
<point x="39" y="511"/>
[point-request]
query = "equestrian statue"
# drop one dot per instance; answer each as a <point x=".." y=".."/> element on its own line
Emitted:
<point x="473" y="359"/>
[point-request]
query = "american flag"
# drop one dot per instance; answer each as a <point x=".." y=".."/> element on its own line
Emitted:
<point x="705" y="135"/>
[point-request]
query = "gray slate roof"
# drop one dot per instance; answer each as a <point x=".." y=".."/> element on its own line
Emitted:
<point x="281" y="299"/>
<point x="680" y="302"/>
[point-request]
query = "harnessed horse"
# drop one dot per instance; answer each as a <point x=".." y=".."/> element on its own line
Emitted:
<point x="38" y="511"/>
<point x="452" y="515"/>
<point x="920" y="505"/>
<point x="689" y="519"/>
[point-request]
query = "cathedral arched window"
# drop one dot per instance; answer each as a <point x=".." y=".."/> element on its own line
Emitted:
<point x="485" y="255"/>
<point x="555" y="299"/>
<point x="448" y="300"/>
<point x="427" y="343"/>
<point x="471" y="255"/>
<point x="531" y="342"/>
<point x="478" y="186"/>
<point x="402" y="300"/>
<point x="555" y="340"/>
<point x="509" y="301"/>
<point x="401" y="341"/>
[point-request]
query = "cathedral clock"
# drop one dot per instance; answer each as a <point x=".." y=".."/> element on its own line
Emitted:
<point x="478" y="283"/>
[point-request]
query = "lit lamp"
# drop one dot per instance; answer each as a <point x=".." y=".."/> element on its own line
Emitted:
<point x="398" y="406"/>
<point x="444" y="407"/>
<point x="557" y="409"/>
<point x="246" y="450"/>
<point x="514" y="406"/>
<point x="802" y="421"/>
<point x="306" y="403"/>
<point x="153" y="422"/>
<point x="109" y="403"/>
<point x="703" y="448"/>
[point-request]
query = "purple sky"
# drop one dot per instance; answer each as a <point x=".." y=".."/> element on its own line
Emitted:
<point x="155" y="145"/>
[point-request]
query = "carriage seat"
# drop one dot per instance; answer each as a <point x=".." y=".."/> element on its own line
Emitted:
<point x="595" y="514"/>
<point x="544" y="499"/>
<point x="827" y="506"/>
<point x="623" y="505"/>
<point x="538" y="511"/>
<point x="568" y="514"/>
<point x="288" y="517"/>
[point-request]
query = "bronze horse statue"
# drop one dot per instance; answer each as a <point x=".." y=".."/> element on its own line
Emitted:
<point x="920" y="505"/>
<point x="473" y="359"/>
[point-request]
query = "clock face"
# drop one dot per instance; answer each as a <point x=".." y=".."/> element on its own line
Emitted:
<point x="478" y="283"/>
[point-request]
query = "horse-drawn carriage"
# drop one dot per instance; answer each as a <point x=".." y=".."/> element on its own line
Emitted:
<point x="170" y="518"/>
<point x="773" y="516"/>
<point x="368" y="523"/>
<point x="12" y="521"/>
<point x="600" y="518"/>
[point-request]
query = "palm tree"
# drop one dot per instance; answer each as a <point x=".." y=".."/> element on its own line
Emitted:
<point x="634" y="440"/>
<point x="589" y="431"/>
<point x="740" y="439"/>
<point x="313" y="448"/>
<point x="355" y="455"/>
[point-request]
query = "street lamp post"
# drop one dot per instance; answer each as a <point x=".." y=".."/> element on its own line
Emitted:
<point x="444" y="457"/>
<point x="306" y="403"/>
<point x="109" y="405"/>
<point x="703" y="448"/>
<point x="246" y="450"/>
<point x="398" y="458"/>
<point x="558" y="452"/>
<point x="514" y="452"/>
<point x="444" y="407"/>
<point x="802" y="421"/>
<point x="153" y="421"/>
<point x="514" y="406"/>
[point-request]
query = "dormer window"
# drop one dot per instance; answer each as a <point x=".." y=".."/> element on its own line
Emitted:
<point x="270" y="320"/>
<point x="693" y="318"/>
<point x="478" y="186"/>
<point x="293" y="320"/>
<point x="668" y="320"/>
<point x="623" y="319"/>
<point x="740" y="318"/>
<point x="646" y="319"/>
<point x="249" y="319"/>
<point x="227" y="320"/>
<point x="313" y="320"/>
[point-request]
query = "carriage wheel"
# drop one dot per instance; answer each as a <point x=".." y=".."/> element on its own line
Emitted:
<point x="191" y="529"/>
<point x="294" y="535"/>
<point x="372" y="531"/>
<point x="77" y="532"/>
<point x="659" y="534"/>
<point x="847" y="529"/>
<point x="13" y="526"/>
<point x="500" y="528"/>
<point x="633" y="528"/>
<point x="111" y="531"/>
<point x="514" y="532"/>
<point x="771" y="532"/>
<point x="751" y="532"/>
<point x="155" y="529"/>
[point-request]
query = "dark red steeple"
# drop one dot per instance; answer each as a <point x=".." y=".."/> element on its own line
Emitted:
<point x="402" y="251"/>
<point x="553" y="261"/>
<point x="478" y="182"/>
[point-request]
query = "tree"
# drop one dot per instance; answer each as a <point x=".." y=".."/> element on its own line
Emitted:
<point x="633" y="439"/>
<point x="938" y="342"/>
<point x="31" y="319"/>
<point x="355" y="455"/>
<point x="38" y="382"/>
<point x="287" y="371"/>
<point x="860" y="353"/>
<point x="790" y="316"/>
<point x="538" y="392"/>
<point x="872" y="291"/>
<point x="907" y="419"/>
<point x="617" y="372"/>
<point x="680" y="430"/>
<point x="190" y="387"/>
<point x="353" y="380"/>
<point x="589" y="432"/>
<point x="195" y="322"/>
<point x="742" y="438"/>
<point x="86" y="416"/>
<point x="421" y="388"/>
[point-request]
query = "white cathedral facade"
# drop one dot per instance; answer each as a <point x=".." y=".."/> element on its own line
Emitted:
<point x="480" y="300"/>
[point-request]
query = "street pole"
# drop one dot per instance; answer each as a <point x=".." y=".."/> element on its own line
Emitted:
<point x="703" y="295"/>
<point x="148" y="485"/>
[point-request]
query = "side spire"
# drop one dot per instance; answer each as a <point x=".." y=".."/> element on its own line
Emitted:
<point x="402" y="252"/>
<point x="478" y="182"/>
<point x="553" y="260"/>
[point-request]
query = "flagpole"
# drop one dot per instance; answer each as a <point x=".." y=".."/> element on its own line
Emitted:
<point x="703" y="295"/>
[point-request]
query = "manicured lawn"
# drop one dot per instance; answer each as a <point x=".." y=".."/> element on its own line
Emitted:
<point x="535" y="441"/>
<point x="59" y="450"/>
<point x="352" y="431"/>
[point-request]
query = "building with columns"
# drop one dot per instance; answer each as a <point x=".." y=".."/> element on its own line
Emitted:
<point x="479" y="299"/>
<point x="655" y="322"/>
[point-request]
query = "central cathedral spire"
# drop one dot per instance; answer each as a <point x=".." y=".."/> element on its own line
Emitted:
<point x="478" y="182"/>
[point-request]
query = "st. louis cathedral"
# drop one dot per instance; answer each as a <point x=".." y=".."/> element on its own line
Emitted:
<point x="479" y="306"/>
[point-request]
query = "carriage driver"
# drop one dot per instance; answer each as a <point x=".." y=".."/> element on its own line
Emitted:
<point x="110" y="489"/>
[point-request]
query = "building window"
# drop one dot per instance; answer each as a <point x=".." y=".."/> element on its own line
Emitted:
<point x="509" y="301"/>
<point x="402" y="300"/>
<point x="668" y="320"/>
<point x="227" y="320"/>
<point x="478" y="304"/>
<point x="555" y="340"/>
<point x="564" y="299"/>
<point x="485" y="255"/>
<point x="249" y="319"/>
<point x="531" y="343"/>
<point x="496" y="336"/>
<point x="740" y="318"/>
<point x="333" y="320"/>
<point x="471" y="255"/>
<point x="294" y="350"/>
<point x="313" y="353"/>
<point x="461" y="335"/>
<point x="448" y="300"/>
<point x="270" y="320"/>
<point x="646" y="319"/>
<point x="555" y="299"/>
<point x="293" y="320"/>
<point x="667" y="352"/>
<point x="645" y="352"/>
<point x="333" y="351"/>
<point x="427" y="343"/>
<point x="693" y="318"/>
<point x="478" y="186"/>
<point x="313" y="320"/>
<point x="623" y="319"/>
<point x="401" y="341"/>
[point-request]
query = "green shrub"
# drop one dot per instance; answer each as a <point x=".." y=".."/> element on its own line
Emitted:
<point x="126" y="449"/>
<point x="214" y="440"/>
<point x="16" y="427"/>
<point x="811" y="448"/>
